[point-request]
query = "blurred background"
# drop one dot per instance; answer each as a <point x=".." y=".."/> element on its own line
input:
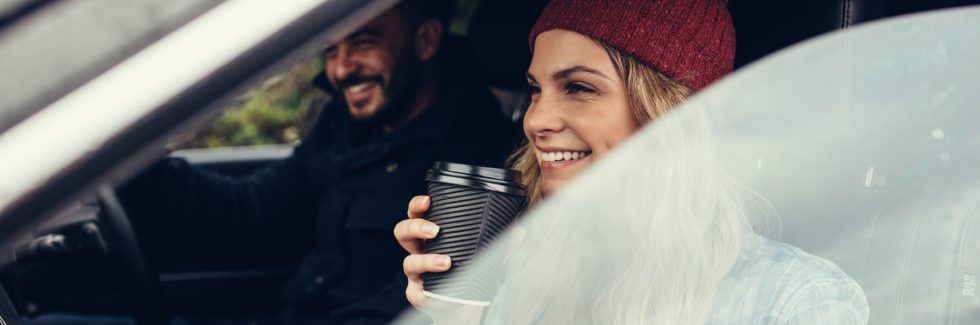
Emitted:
<point x="285" y="107"/>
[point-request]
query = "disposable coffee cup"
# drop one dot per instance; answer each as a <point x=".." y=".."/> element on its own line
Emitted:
<point x="472" y="205"/>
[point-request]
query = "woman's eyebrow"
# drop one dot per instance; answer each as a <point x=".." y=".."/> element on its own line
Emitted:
<point x="567" y="72"/>
<point x="530" y="77"/>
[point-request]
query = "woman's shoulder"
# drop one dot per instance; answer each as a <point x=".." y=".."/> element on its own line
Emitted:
<point x="764" y="257"/>
<point x="783" y="282"/>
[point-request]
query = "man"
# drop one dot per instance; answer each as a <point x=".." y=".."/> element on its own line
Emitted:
<point x="403" y="99"/>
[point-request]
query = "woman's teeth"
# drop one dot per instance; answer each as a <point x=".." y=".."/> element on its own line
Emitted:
<point x="564" y="155"/>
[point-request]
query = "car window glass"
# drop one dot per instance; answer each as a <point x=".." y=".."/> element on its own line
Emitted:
<point x="63" y="44"/>
<point x="281" y="110"/>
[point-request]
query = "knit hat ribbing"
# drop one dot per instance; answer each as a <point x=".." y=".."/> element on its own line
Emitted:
<point x="690" y="41"/>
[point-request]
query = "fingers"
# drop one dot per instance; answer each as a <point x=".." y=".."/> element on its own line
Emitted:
<point x="411" y="232"/>
<point x="416" y="264"/>
<point x="418" y="206"/>
<point x="413" y="292"/>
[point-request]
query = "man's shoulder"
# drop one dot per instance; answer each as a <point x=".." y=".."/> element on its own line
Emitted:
<point x="480" y="111"/>
<point x="481" y="133"/>
<point x="485" y="126"/>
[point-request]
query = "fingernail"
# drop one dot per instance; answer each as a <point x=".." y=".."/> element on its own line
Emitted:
<point x="430" y="229"/>
<point x="423" y="201"/>
<point x="442" y="261"/>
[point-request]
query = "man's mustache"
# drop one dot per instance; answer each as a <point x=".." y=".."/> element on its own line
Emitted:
<point x="357" y="79"/>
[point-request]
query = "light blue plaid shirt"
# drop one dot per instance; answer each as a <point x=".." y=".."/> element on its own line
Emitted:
<point x="776" y="283"/>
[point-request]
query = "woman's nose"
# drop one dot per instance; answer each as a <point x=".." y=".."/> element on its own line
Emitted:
<point x="543" y="118"/>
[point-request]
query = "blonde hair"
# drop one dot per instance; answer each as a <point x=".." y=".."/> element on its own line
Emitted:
<point x="650" y="94"/>
<point x="659" y="254"/>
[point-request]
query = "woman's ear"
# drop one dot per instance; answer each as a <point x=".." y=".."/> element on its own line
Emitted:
<point x="428" y="37"/>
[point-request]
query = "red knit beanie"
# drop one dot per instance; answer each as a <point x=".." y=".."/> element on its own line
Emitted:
<point x="690" y="41"/>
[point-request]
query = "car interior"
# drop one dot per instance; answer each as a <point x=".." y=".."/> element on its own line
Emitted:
<point x="83" y="259"/>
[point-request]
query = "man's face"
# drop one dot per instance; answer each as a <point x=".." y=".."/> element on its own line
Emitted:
<point x="369" y="68"/>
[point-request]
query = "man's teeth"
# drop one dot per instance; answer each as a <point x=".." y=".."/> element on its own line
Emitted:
<point x="564" y="155"/>
<point x="360" y="87"/>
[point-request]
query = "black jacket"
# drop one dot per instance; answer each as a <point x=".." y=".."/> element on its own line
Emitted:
<point x="350" y="184"/>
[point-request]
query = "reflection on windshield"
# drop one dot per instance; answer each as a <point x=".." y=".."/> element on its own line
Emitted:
<point x="64" y="44"/>
<point x="835" y="182"/>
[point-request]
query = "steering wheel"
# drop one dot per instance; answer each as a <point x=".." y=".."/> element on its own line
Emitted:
<point x="120" y="237"/>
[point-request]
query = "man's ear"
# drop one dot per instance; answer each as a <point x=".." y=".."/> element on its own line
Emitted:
<point x="428" y="37"/>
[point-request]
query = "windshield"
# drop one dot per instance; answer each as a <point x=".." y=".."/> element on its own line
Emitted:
<point x="852" y="156"/>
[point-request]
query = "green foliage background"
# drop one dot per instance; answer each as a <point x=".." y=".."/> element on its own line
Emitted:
<point x="281" y="110"/>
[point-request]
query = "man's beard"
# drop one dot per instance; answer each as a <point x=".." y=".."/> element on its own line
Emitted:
<point x="397" y="95"/>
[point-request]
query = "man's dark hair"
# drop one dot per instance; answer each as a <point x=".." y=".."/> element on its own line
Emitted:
<point x="418" y="11"/>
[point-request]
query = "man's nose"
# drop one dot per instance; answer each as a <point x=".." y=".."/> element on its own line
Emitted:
<point x="344" y="64"/>
<point x="543" y="118"/>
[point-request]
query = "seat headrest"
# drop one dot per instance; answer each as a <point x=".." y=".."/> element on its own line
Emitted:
<point x="498" y="30"/>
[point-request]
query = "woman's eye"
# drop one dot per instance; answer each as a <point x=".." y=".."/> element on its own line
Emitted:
<point x="533" y="89"/>
<point x="572" y="88"/>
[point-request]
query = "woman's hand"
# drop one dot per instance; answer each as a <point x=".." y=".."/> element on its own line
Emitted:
<point x="410" y="234"/>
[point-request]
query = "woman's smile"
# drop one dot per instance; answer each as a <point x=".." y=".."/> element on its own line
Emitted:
<point x="555" y="159"/>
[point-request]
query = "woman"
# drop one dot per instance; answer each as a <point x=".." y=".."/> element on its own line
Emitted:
<point x="600" y="71"/>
